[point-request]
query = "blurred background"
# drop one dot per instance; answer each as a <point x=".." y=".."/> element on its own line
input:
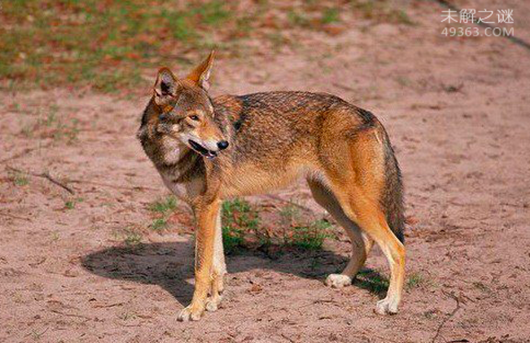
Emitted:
<point x="108" y="45"/>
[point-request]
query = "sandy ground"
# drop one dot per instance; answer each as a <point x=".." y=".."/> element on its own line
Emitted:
<point x="457" y="112"/>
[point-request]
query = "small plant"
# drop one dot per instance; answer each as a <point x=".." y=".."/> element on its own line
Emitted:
<point x="238" y="217"/>
<point x="310" y="237"/>
<point x="55" y="236"/>
<point x="132" y="238"/>
<point x="330" y="15"/>
<point x="240" y="213"/>
<point x="400" y="16"/>
<point x="213" y="13"/>
<point x="232" y="239"/>
<point x="415" y="280"/>
<point x="290" y="213"/>
<point x="315" y="264"/>
<point x="382" y="11"/>
<point x="372" y="281"/>
<point x="37" y="335"/>
<point x="20" y="179"/>
<point x="70" y="204"/>
<point x="164" y="208"/>
<point x="127" y="316"/>
<point x="159" y="224"/>
<point x="297" y="19"/>
<point x="165" y="205"/>
<point x="68" y="131"/>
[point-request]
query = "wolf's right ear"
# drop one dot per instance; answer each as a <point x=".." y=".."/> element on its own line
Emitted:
<point x="166" y="87"/>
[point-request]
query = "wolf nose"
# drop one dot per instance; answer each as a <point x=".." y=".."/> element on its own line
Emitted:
<point x="222" y="145"/>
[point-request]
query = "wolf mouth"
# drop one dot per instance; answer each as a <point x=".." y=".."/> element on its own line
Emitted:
<point x="202" y="150"/>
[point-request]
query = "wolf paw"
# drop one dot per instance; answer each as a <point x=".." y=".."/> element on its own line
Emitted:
<point x="338" y="280"/>
<point x="190" y="313"/>
<point x="212" y="304"/>
<point x="386" y="306"/>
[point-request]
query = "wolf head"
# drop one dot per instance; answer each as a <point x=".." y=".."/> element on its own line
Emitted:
<point x="185" y="110"/>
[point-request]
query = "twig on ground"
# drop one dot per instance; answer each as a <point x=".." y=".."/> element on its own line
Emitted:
<point x="37" y="334"/>
<point x="47" y="176"/>
<point x="52" y="180"/>
<point x="287" y="338"/>
<point x="340" y="85"/>
<point x="44" y="175"/>
<point x="24" y="152"/>
<point x="113" y="186"/>
<point x="457" y="307"/>
<point x="14" y="216"/>
<point x="70" y="314"/>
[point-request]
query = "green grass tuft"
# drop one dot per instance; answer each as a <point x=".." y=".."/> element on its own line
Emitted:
<point x="20" y="179"/>
<point x="415" y="280"/>
<point x="159" y="224"/>
<point x="70" y="204"/>
<point x="164" y="205"/>
<point x="372" y="281"/>
<point x="330" y="15"/>
<point x="238" y="217"/>
<point x="310" y="237"/>
<point x="132" y="238"/>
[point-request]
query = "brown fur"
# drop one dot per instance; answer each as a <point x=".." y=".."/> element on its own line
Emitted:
<point x="274" y="139"/>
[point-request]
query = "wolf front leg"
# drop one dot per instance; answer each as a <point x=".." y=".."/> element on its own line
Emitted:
<point x="218" y="268"/>
<point x="206" y="213"/>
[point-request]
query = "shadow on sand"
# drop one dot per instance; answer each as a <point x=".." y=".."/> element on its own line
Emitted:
<point x="170" y="265"/>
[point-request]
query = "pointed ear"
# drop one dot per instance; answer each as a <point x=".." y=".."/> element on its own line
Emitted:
<point x="166" y="87"/>
<point x="201" y="73"/>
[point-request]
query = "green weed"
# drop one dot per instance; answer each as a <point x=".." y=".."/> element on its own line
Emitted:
<point x="164" y="206"/>
<point x="372" y="281"/>
<point x="310" y="237"/>
<point x="132" y="238"/>
<point x="238" y="217"/>
<point x="415" y="280"/>
<point x="330" y="15"/>
<point x="298" y="18"/>
<point x="70" y="204"/>
<point x="232" y="239"/>
<point x="20" y="179"/>
<point x="159" y="224"/>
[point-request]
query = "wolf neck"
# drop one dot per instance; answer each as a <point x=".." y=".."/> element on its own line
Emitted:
<point x="179" y="163"/>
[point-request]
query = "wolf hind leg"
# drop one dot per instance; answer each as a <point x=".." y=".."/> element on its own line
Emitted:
<point x="368" y="215"/>
<point x="361" y="242"/>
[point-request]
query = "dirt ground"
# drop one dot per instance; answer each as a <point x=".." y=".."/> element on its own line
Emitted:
<point x="457" y="112"/>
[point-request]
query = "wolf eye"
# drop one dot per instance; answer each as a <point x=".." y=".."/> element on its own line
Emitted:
<point x="194" y="117"/>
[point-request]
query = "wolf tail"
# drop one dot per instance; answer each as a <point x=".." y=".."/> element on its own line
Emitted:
<point x="392" y="199"/>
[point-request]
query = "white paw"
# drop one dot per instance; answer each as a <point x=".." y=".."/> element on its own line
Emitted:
<point x="189" y="313"/>
<point x="212" y="304"/>
<point x="386" y="306"/>
<point x="338" y="280"/>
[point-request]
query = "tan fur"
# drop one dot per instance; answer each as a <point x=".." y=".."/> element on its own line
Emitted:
<point x="274" y="139"/>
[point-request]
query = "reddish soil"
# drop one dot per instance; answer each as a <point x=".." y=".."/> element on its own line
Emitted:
<point x="457" y="112"/>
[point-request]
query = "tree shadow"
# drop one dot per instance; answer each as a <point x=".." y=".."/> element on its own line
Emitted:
<point x="170" y="265"/>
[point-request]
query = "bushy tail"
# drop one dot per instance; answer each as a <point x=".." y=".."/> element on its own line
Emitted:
<point x="392" y="200"/>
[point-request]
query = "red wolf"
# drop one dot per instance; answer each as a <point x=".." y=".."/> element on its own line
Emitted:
<point x="207" y="150"/>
